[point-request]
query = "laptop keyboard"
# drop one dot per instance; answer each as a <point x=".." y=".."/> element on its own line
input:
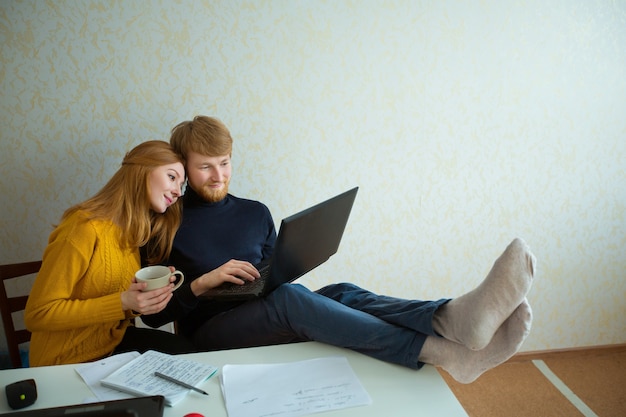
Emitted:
<point x="250" y="287"/>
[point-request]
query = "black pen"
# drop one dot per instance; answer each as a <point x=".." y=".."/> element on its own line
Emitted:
<point x="181" y="383"/>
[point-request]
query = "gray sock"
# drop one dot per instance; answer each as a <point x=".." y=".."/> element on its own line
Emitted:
<point x="473" y="318"/>
<point x="466" y="365"/>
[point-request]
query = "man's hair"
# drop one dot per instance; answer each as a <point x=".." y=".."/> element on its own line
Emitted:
<point x="125" y="200"/>
<point x="204" y="135"/>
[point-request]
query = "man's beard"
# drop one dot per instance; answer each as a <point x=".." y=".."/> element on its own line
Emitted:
<point x="213" y="196"/>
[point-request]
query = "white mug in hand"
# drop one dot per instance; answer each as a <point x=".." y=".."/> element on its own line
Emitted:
<point x="158" y="276"/>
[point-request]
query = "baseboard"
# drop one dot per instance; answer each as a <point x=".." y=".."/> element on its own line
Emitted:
<point x="577" y="351"/>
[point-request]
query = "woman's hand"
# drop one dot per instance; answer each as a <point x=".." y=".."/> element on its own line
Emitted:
<point x="233" y="271"/>
<point x="146" y="302"/>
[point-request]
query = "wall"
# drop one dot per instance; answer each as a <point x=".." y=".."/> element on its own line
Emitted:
<point x="465" y="124"/>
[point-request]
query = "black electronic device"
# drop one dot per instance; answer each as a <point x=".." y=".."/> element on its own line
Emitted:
<point x="21" y="394"/>
<point x="305" y="240"/>
<point x="150" y="406"/>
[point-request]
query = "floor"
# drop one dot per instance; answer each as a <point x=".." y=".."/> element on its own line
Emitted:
<point x="588" y="382"/>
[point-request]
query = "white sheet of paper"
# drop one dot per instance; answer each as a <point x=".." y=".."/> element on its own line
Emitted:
<point x="93" y="372"/>
<point x="291" y="389"/>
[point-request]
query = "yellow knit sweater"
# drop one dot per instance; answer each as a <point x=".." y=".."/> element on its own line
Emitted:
<point x="74" y="309"/>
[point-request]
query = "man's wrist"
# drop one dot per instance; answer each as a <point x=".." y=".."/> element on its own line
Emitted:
<point x="196" y="288"/>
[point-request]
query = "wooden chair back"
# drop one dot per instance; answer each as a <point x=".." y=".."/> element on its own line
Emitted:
<point x="10" y="305"/>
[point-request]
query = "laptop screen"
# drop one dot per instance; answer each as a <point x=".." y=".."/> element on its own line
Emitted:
<point x="313" y="236"/>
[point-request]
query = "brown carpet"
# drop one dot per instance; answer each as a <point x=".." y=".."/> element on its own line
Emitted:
<point x="599" y="381"/>
<point x="519" y="388"/>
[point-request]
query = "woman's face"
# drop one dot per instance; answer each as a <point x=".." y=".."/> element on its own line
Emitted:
<point x="165" y="186"/>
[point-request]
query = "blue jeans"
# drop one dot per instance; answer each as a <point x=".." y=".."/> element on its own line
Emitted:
<point x="387" y="328"/>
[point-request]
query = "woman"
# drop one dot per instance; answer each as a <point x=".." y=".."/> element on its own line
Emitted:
<point x="85" y="295"/>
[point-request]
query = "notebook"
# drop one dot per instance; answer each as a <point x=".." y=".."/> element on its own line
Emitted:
<point x="137" y="377"/>
<point x="151" y="406"/>
<point x="305" y="240"/>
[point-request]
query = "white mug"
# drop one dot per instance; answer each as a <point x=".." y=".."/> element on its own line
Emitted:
<point x="158" y="276"/>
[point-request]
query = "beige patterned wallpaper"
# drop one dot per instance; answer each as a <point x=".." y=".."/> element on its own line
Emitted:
<point x="464" y="123"/>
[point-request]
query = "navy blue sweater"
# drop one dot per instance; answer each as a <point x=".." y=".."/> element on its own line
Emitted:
<point x="210" y="235"/>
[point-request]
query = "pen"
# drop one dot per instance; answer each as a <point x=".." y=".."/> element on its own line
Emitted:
<point x="181" y="383"/>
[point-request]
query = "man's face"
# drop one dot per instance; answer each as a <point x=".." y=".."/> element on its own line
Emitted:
<point x="209" y="176"/>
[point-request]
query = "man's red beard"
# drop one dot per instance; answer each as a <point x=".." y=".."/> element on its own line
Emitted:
<point x="211" y="195"/>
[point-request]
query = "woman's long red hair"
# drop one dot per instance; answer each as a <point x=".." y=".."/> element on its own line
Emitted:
<point x="125" y="200"/>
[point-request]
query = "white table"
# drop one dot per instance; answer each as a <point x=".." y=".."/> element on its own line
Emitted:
<point x="395" y="391"/>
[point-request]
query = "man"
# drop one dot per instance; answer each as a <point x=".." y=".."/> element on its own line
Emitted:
<point x="222" y="237"/>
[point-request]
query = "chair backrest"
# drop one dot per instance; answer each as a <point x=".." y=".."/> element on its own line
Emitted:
<point x="10" y="305"/>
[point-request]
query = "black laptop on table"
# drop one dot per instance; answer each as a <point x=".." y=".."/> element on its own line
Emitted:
<point x="305" y="240"/>
<point x="150" y="406"/>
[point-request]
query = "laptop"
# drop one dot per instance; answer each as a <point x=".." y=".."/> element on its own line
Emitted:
<point x="305" y="240"/>
<point x="150" y="406"/>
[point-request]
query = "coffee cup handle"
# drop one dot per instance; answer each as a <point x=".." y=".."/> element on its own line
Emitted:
<point x="180" y="280"/>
